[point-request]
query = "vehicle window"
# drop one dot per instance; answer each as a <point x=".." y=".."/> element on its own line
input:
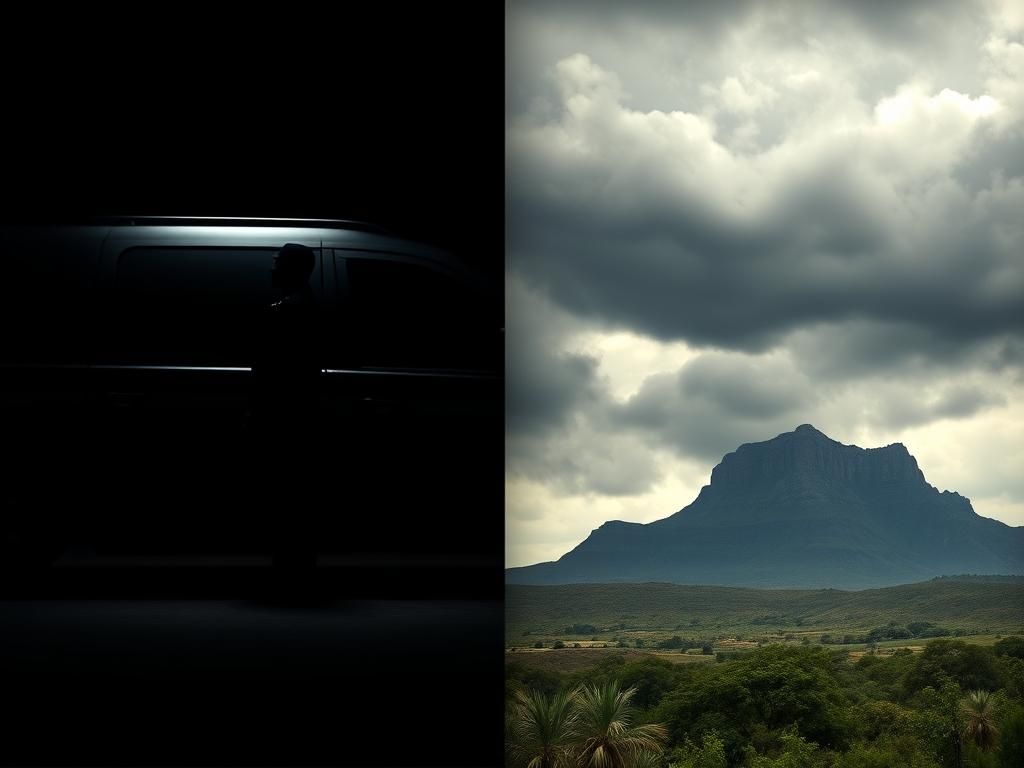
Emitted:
<point x="189" y="306"/>
<point x="406" y="315"/>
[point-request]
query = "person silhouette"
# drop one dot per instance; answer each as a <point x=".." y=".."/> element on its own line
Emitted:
<point x="286" y="376"/>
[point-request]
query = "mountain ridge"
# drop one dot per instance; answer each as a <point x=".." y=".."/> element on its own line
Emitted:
<point x="799" y="510"/>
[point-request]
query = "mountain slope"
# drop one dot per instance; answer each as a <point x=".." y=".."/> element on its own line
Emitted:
<point x="800" y="510"/>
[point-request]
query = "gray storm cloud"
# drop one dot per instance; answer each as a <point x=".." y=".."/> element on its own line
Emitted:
<point x="821" y="200"/>
<point x="645" y="220"/>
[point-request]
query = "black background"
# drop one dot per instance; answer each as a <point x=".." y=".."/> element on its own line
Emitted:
<point x="394" y="116"/>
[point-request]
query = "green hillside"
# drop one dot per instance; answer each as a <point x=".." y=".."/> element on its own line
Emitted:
<point x="962" y="607"/>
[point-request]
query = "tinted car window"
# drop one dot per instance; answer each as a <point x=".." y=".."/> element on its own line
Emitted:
<point x="188" y="306"/>
<point x="406" y="315"/>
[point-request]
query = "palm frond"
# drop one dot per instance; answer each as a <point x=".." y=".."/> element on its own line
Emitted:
<point x="979" y="708"/>
<point x="541" y="729"/>
<point x="605" y="732"/>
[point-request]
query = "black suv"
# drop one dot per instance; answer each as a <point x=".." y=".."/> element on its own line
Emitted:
<point x="126" y="378"/>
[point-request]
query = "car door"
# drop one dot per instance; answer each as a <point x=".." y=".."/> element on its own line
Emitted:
<point x="175" y="349"/>
<point x="413" y="382"/>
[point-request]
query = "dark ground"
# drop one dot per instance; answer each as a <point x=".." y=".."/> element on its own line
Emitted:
<point x="396" y="118"/>
<point x="229" y="682"/>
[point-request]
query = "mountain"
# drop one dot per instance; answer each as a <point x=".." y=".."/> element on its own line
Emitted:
<point x="800" y="510"/>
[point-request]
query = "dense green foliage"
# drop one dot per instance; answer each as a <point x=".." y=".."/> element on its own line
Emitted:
<point x="971" y="666"/>
<point x="1010" y="646"/>
<point x="785" y="706"/>
<point x="915" y="630"/>
<point x="710" y="753"/>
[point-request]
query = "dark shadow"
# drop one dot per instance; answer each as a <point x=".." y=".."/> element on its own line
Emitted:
<point x="282" y="422"/>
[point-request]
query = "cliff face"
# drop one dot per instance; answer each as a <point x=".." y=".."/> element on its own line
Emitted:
<point x="807" y="453"/>
<point x="800" y="510"/>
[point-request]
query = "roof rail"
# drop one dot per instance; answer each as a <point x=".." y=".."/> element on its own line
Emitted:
<point x="58" y="220"/>
<point x="242" y="221"/>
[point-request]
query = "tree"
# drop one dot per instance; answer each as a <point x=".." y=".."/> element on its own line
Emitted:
<point x="710" y="753"/>
<point x="904" y="751"/>
<point x="764" y="690"/>
<point x="1010" y="646"/>
<point x="796" y="752"/>
<point x="1011" y="747"/>
<point x="518" y="675"/>
<point x="940" y="721"/>
<point x="540" y="729"/>
<point x="651" y="677"/>
<point x="605" y="733"/>
<point x="981" y="727"/>
<point x="675" y="642"/>
<point x="973" y="667"/>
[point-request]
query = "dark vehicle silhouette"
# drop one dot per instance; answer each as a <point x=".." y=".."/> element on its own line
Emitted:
<point x="135" y="404"/>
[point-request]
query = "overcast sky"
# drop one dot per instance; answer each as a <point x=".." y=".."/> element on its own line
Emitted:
<point x="726" y="219"/>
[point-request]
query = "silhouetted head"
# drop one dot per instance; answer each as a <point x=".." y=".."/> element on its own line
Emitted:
<point x="293" y="265"/>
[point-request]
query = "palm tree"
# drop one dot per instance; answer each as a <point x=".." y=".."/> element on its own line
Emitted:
<point x="981" y="722"/>
<point x="540" y="729"/>
<point x="605" y="734"/>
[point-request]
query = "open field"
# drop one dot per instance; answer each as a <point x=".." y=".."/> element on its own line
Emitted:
<point x="736" y="618"/>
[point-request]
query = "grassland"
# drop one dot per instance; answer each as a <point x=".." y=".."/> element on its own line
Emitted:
<point x="734" y="618"/>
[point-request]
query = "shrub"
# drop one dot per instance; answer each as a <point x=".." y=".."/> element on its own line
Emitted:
<point x="709" y="754"/>
<point x="1010" y="646"/>
<point x="674" y="642"/>
<point x="797" y="752"/>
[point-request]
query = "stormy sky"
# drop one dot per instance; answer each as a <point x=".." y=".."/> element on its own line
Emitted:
<point x="726" y="219"/>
